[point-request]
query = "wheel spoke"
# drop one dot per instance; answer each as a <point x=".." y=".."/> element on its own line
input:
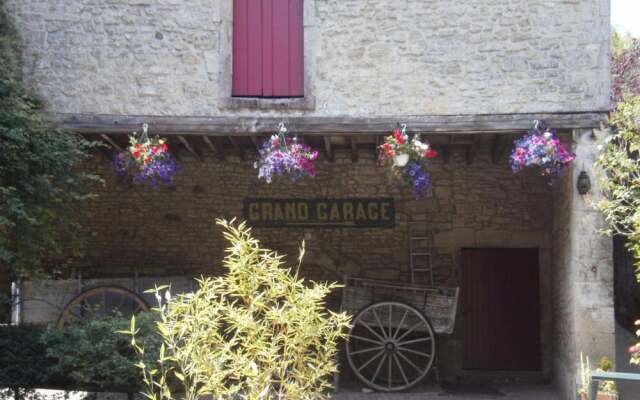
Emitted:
<point x="404" y="376"/>
<point x="404" y="316"/>
<point x="361" y="322"/>
<point x="375" y="314"/>
<point x="363" y="366"/>
<point x="353" y="353"/>
<point x="428" y="355"/>
<point x="390" y="380"/>
<point x="410" y="362"/>
<point x="364" y="339"/>
<point x="390" y="315"/>
<point x="413" y="328"/>
<point x="422" y="339"/>
<point x="375" y="375"/>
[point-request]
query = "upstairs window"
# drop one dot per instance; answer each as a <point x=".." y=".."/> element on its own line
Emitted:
<point x="268" y="56"/>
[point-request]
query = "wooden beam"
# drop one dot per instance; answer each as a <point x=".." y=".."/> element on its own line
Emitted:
<point x="239" y="150"/>
<point x="187" y="146"/>
<point x="354" y="149"/>
<point x="471" y="151"/>
<point x="256" y="143"/>
<point x="327" y="149"/>
<point x="215" y="146"/>
<point x="249" y="126"/>
<point x="499" y="147"/>
<point x="209" y="144"/>
<point x="446" y="153"/>
<point x="376" y="150"/>
<point x="111" y="142"/>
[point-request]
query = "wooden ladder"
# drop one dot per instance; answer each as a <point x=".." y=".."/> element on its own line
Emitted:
<point x="420" y="244"/>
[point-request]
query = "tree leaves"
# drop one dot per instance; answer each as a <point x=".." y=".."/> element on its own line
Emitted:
<point x="619" y="161"/>
<point x="41" y="178"/>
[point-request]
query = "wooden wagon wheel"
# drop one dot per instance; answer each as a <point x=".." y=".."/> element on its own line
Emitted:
<point x="391" y="346"/>
<point x="99" y="302"/>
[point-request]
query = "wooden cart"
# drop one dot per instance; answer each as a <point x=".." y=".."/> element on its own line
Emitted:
<point x="392" y="342"/>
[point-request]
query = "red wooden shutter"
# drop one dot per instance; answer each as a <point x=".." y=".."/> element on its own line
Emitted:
<point x="247" y="48"/>
<point x="268" y="58"/>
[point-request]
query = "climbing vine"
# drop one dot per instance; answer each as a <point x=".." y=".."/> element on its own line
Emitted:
<point x="40" y="178"/>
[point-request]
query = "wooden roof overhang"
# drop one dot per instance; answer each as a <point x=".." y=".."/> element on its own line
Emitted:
<point x="237" y="135"/>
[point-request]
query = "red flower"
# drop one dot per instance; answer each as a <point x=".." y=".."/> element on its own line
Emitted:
<point x="137" y="146"/>
<point x="397" y="135"/>
<point x="135" y="154"/>
<point x="164" y="147"/>
<point x="431" y="153"/>
<point x="634" y="349"/>
<point x="388" y="150"/>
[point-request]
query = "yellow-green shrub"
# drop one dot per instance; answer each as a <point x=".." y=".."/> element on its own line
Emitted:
<point x="258" y="332"/>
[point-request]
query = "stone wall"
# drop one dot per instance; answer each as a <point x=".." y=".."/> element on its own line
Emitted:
<point x="171" y="57"/>
<point x="583" y="309"/>
<point x="171" y="231"/>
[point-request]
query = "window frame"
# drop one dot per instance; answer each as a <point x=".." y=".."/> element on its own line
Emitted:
<point x="228" y="101"/>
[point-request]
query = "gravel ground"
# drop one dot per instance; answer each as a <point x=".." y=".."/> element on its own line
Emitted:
<point x="510" y="392"/>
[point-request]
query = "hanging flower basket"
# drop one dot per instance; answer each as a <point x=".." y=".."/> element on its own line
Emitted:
<point x="146" y="160"/>
<point x="541" y="148"/>
<point x="408" y="158"/>
<point x="281" y="155"/>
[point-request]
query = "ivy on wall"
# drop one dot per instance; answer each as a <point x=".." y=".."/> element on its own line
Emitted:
<point x="40" y="176"/>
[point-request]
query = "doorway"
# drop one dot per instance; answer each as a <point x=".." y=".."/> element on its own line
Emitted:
<point x="501" y="309"/>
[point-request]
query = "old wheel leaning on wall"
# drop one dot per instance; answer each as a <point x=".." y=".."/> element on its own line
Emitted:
<point x="391" y="346"/>
<point x="99" y="302"/>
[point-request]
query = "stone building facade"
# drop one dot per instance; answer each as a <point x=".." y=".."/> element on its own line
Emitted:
<point x="470" y="76"/>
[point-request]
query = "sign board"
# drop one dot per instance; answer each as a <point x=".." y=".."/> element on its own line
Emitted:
<point x="321" y="213"/>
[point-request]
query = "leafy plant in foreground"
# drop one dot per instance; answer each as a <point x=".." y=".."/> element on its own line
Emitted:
<point x="258" y="332"/>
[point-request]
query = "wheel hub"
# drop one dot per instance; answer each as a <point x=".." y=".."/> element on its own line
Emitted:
<point x="390" y="347"/>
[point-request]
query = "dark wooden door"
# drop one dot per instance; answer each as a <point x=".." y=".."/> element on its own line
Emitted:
<point x="501" y="309"/>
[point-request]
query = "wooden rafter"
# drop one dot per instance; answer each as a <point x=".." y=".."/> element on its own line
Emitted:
<point x="189" y="148"/>
<point x="446" y="153"/>
<point x="354" y="148"/>
<point x="499" y="147"/>
<point x="472" y="150"/>
<point x="446" y="150"/>
<point x="328" y="150"/>
<point x="238" y="149"/>
<point x="111" y="142"/>
<point x="256" y="143"/>
<point x="215" y="146"/>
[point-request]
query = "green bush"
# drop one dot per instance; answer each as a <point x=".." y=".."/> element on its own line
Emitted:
<point x="23" y="357"/>
<point x="88" y="355"/>
<point x="92" y="355"/>
<point x="258" y="332"/>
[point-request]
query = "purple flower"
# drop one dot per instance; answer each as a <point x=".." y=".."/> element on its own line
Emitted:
<point x="415" y="176"/>
<point x="289" y="158"/>
<point x="542" y="149"/>
<point x="159" y="171"/>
